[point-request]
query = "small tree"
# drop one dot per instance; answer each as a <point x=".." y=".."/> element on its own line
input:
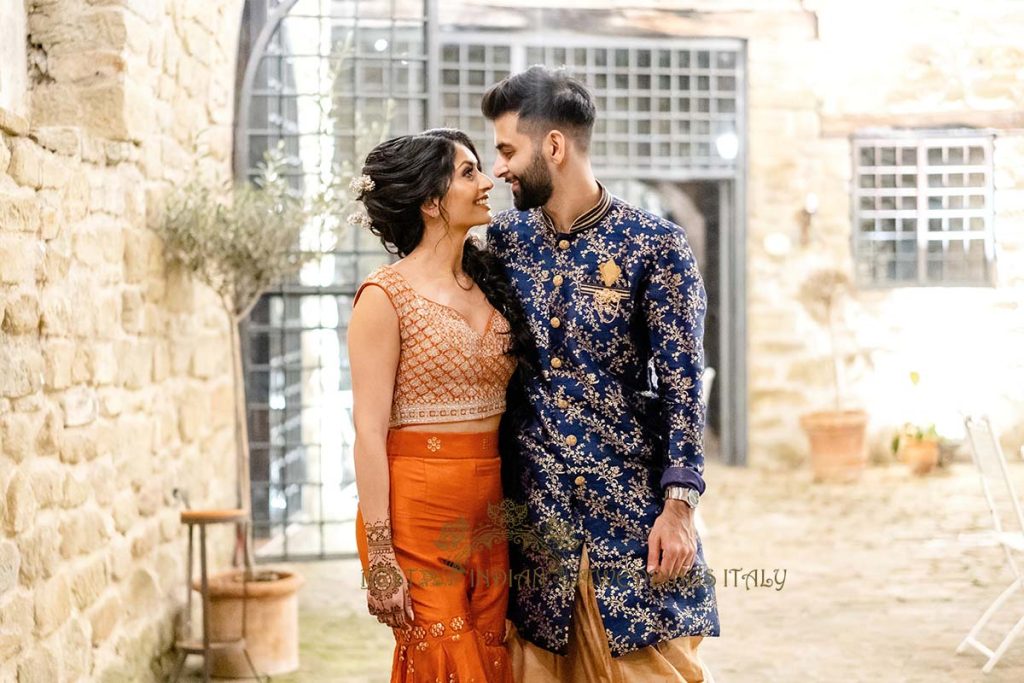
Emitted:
<point x="238" y="239"/>
<point x="821" y="294"/>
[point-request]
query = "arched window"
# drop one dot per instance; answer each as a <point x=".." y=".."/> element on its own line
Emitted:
<point x="324" y="81"/>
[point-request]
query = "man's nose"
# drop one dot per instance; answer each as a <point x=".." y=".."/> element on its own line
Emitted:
<point x="499" y="169"/>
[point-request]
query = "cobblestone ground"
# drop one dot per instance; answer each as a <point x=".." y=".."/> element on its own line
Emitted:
<point x="880" y="584"/>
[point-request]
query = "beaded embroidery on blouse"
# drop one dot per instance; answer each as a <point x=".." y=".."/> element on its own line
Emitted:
<point x="447" y="371"/>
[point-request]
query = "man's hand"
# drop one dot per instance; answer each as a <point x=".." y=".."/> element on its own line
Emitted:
<point x="672" y="543"/>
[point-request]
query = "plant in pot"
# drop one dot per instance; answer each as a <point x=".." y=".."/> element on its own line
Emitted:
<point x="837" y="435"/>
<point x="239" y="239"/>
<point x="918" y="446"/>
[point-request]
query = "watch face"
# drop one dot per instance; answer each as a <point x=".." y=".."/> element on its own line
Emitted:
<point x="692" y="497"/>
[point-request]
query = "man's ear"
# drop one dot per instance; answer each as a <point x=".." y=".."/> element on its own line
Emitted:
<point x="556" y="146"/>
<point x="432" y="207"/>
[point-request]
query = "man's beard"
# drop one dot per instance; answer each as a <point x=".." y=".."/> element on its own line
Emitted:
<point x="535" y="186"/>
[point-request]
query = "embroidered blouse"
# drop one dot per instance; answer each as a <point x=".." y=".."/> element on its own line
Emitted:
<point x="447" y="371"/>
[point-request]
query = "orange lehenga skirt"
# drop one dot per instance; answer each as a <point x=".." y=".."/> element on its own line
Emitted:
<point x="450" y="543"/>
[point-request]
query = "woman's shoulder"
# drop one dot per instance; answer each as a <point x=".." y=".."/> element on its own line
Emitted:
<point x="393" y="284"/>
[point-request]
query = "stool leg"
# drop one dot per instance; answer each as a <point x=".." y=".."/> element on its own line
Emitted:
<point x="178" y="666"/>
<point x="252" y="667"/>
<point x="206" y="604"/>
<point x="188" y="590"/>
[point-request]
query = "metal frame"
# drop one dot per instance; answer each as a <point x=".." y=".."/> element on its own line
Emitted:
<point x="991" y="464"/>
<point x="905" y="185"/>
<point x="278" y="327"/>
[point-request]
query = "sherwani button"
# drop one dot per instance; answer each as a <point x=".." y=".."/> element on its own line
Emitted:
<point x="558" y="280"/>
<point x="555" y="322"/>
<point x="563" y="245"/>
<point x="570" y="440"/>
<point x="563" y="404"/>
<point x="556" y="363"/>
<point x="580" y="481"/>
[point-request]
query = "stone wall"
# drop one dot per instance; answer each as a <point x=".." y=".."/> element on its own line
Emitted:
<point x="115" y="383"/>
<point x="874" y="64"/>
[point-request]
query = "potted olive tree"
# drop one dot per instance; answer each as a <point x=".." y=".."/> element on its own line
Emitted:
<point x="239" y="239"/>
<point x="836" y="435"/>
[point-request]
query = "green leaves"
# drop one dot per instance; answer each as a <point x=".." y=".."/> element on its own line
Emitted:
<point x="241" y="238"/>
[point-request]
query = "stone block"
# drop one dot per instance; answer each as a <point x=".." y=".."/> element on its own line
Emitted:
<point x="19" y="210"/>
<point x="40" y="552"/>
<point x="79" y="404"/>
<point x="40" y="665"/>
<point x="10" y="566"/>
<point x="78" y="445"/>
<point x="75" y="490"/>
<point x="19" y="432"/>
<point x="104" y="615"/>
<point x="88" y="582"/>
<point x="21" y="503"/>
<point x="76" y="646"/>
<point x="20" y="258"/>
<point x="64" y="140"/>
<point x="47" y="483"/>
<point x="55" y="311"/>
<point x="53" y="606"/>
<point x="22" y="313"/>
<point x="59" y="356"/>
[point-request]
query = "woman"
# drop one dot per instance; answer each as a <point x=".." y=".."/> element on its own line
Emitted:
<point x="431" y="349"/>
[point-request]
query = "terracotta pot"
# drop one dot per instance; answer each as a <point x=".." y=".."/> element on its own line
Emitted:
<point x="272" y="621"/>
<point x="922" y="456"/>
<point x="838" y="447"/>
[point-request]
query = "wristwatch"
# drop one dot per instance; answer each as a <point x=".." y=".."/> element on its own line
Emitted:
<point x="683" y="493"/>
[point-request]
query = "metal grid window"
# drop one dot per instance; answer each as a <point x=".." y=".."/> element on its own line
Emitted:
<point x="320" y="76"/>
<point x="666" y="110"/>
<point x="922" y="208"/>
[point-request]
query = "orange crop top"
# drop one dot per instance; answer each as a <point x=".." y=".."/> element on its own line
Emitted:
<point x="447" y="371"/>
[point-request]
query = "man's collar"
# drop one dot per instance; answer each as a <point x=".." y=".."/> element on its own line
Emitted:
<point x="588" y="218"/>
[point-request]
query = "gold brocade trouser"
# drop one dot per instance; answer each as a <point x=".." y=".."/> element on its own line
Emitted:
<point x="590" y="660"/>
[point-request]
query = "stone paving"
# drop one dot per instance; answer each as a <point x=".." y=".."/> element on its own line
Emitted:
<point x="880" y="584"/>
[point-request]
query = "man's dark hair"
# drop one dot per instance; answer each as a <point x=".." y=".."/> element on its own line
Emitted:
<point x="544" y="99"/>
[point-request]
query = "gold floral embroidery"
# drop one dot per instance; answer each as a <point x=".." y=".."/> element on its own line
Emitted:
<point x="434" y="444"/>
<point x="437" y="629"/>
<point x="659" y="286"/>
<point x="457" y="623"/>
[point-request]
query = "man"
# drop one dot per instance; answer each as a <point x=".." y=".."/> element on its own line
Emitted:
<point x="609" y="579"/>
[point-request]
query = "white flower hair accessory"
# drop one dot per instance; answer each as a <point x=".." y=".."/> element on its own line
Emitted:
<point x="362" y="184"/>
<point x="361" y="219"/>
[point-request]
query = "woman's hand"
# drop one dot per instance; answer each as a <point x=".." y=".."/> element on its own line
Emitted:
<point x="388" y="596"/>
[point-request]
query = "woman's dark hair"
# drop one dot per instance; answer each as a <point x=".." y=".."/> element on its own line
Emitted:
<point x="544" y="97"/>
<point x="410" y="170"/>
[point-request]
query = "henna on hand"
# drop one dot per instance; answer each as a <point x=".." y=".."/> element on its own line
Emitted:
<point x="383" y="578"/>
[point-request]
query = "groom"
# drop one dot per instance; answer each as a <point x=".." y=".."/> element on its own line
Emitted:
<point x="598" y="455"/>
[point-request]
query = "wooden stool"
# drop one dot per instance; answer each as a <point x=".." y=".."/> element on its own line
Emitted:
<point x="204" y="646"/>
